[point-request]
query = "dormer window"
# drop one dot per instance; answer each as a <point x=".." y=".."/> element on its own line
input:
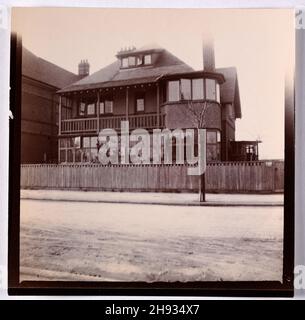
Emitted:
<point x="125" y="63"/>
<point x="147" y="59"/>
<point x="136" y="60"/>
<point x="131" y="61"/>
<point x="139" y="61"/>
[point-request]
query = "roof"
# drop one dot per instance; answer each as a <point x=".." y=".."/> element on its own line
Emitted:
<point x="150" y="48"/>
<point x="229" y="90"/>
<point x="113" y="76"/>
<point x="166" y="65"/>
<point x="44" y="71"/>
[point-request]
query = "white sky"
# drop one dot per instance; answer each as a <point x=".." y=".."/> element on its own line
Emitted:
<point x="259" y="42"/>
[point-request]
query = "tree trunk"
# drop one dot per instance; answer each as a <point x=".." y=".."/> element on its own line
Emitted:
<point x="202" y="188"/>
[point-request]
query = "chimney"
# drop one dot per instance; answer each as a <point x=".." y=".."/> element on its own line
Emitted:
<point x="83" y="68"/>
<point x="208" y="54"/>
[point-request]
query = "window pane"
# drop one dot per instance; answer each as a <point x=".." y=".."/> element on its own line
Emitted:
<point x="139" y="61"/>
<point x="218" y="136"/>
<point x="91" y="109"/>
<point x="86" y="142"/>
<point x="211" y="137"/>
<point x="78" y="154"/>
<point x="102" y="107"/>
<point x="147" y="59"/>
<point x="69" y="155"/>
<point x="140" y="104"/>
<point x="76" y="142"/>
<point x="213" y="152"/>
<point x="108" y="106"/>
<point x="69" y="142"/>
<point x="210" y="89"/>
<point x="185" y="89"/>
<point x="62" y="155"/>
<point x="132" y="61"/>
<point x="62" y="142"/>
<point x="93" y="142"/>
<point x="198" y="89"/>
<point x="217" y="93"/>
<point x="125" y="62"/>
<point x="173" y="91"/>
<point x="82" y="109"/>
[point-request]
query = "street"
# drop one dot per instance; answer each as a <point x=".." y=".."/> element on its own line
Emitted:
<point x="62" y="240"/>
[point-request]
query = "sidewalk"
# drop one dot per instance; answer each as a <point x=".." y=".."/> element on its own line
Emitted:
<point x="180" y="199"/>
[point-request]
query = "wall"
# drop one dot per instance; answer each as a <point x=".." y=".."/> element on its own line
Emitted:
<point x="38" y="122"/>
<point x="178" y="115"/>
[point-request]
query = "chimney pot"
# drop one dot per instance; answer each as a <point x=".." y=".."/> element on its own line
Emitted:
<point x="83" y="68"/>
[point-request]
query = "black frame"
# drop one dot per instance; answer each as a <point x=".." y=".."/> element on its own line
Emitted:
<point x="221" y="288"/>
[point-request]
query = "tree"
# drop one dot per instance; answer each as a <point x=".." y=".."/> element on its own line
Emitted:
<point x="197" y="114"/>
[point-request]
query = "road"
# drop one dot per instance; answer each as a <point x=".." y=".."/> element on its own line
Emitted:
<point x="62" y="240"/>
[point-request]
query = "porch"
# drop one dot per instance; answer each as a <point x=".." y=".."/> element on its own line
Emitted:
<point x="95" y="124"/>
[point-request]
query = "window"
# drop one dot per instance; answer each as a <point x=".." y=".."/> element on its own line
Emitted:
<point x="82" y="109"/>
<point x="185" y="89"/>
<point x="139" y="61"/>
<point x="213" y="145"/>
<point x="91" y="109"/>
<point x="140" y="103"/>
<point x="125" y="63"/>
<point x="147" y="59"/>
<point x="108" y="106"/>
<point x="217" y="93"/>
<point x="132" y="61"/>
<point x="210" y="89"/>
<point x="197" y="89"/>
<point x="89" y="149"/>
<point x="173" y="91"/>
<point x="102" y="107"/>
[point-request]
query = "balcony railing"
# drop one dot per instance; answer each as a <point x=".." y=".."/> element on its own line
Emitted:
<point x="145" y="121"/>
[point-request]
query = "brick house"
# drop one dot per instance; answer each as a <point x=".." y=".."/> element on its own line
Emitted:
<point x="39" y="113"/>
<point x="151" y="88"/>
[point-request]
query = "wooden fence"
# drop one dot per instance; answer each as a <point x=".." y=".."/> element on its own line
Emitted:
<point x="231" y="177"/>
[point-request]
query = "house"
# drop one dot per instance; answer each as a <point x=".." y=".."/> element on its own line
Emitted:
<point x="151" y="88"/>
<point x="39" y="112"/>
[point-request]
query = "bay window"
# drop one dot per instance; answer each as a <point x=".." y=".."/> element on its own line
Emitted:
<point x="174" y="90"/>
<point x="185" y="89"/>
<point x="197" y="89"/>
<point x="210" y="86"/>
<point x="193" y="89"/>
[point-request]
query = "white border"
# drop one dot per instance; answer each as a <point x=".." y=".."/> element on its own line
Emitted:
<point x="4" y="115"/>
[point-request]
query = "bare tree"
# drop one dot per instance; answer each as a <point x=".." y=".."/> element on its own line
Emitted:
<point x="197" y="114"/>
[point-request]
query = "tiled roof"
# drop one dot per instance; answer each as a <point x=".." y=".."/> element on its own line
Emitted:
<point x="112" y="75"/>
<point x="44" y="71"/>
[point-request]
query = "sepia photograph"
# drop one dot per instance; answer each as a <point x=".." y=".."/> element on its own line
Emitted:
<point x="152" y="144"/>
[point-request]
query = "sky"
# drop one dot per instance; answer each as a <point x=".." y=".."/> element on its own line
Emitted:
<point x="258" y="42"/>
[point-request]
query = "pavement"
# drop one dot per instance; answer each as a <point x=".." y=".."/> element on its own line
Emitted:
<point x="153" y="198"/>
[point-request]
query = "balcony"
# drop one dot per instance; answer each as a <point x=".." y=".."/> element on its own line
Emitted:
<point x="93" y="125"/>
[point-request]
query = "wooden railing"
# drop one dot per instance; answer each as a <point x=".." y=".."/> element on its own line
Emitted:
<point x="145" y="121"/>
